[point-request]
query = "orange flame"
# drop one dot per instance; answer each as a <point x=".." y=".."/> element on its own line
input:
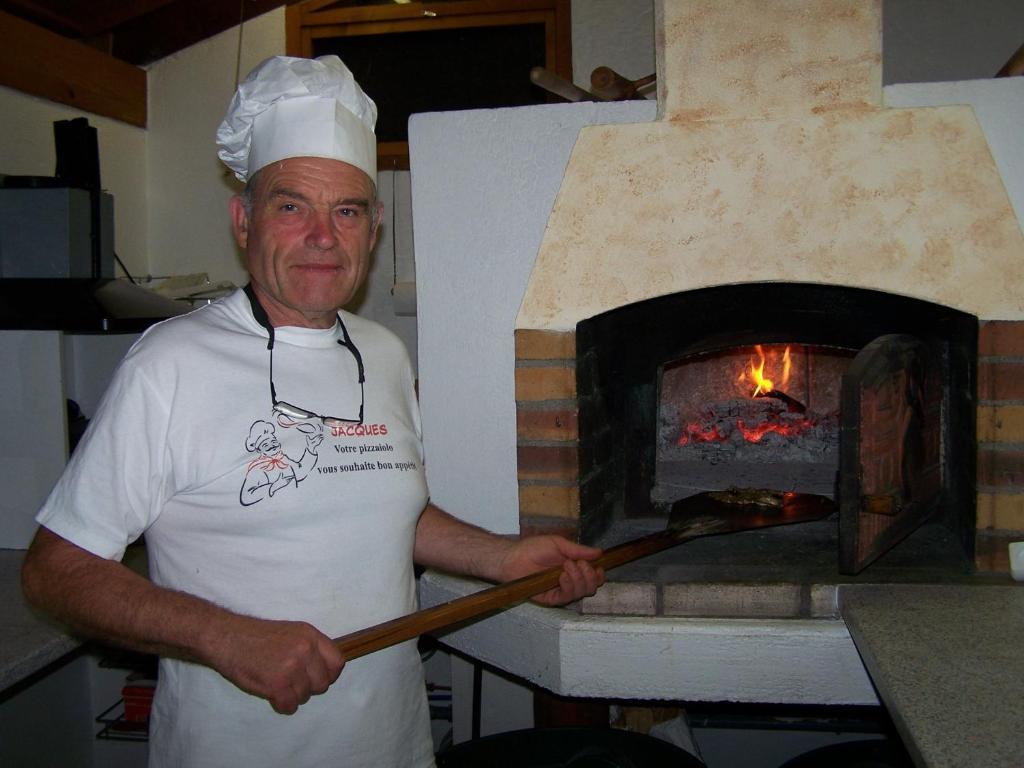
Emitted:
<point x="756" y="374"/>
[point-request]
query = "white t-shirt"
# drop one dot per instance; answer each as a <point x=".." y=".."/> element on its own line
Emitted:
<point x="268" y="517"/>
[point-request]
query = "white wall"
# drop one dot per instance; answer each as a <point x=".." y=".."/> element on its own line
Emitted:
<point x="947" y="40"/>
<point x="188" y="188"/>
<point x="32" y="382"/>
<point x="27" y="149"/>
<point x="612" y="33"/>
<point x="483" y="183"/>
<point x="393" y="257"/>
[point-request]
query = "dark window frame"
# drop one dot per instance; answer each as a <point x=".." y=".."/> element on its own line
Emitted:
<point x="317" y="19"/>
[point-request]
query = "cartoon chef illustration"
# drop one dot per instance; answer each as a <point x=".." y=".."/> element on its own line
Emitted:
<point x="273" y="470"/>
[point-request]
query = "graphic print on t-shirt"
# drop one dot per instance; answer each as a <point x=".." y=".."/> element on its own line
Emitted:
<point x="273" y="470"/>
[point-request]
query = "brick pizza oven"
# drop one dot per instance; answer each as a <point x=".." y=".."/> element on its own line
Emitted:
<point x="775" y="203"/>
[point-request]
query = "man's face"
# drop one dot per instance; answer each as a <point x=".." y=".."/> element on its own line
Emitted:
<point x="308" y="238"/>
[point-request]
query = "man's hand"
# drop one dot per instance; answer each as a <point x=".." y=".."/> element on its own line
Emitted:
<point x="284" y="662"/>
<point x="534" y="553"/>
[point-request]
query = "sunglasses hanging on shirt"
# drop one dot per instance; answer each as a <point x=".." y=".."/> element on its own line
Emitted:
<point x="293" y="411"/>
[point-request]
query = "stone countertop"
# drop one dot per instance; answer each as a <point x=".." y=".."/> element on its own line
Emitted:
<point x="947" y="663"/>
<point x="28" y="641"/>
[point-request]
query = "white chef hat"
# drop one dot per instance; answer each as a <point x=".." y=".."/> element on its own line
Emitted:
<point x="291" y="107"/>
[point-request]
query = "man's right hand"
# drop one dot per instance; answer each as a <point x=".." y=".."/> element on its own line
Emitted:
<point x="284" y="662"/>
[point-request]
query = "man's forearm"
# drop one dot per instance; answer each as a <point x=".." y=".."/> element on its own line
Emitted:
<point x="449" y="544"/>
<point x="106" y="600"/>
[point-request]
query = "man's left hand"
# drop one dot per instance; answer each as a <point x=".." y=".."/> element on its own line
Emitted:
<point x="534" y="553"/>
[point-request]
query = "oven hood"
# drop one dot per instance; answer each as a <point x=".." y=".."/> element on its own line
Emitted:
<point x="774" y="158"/>
<point x="81" y="305"/>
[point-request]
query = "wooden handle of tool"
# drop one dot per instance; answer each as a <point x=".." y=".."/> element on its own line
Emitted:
<point x="559" y="86"/>
<point x="609" y="85"/>
<point x="505" y="595"/>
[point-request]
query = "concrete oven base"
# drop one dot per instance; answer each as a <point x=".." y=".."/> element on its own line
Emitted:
<point x="787" y="661"/>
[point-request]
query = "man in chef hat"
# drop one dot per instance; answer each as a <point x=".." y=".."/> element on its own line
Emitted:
<point x="243" y="599"/>
<point x="303" y="122"/>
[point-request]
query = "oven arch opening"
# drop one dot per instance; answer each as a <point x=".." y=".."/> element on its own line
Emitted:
<point x="625" y="359"/>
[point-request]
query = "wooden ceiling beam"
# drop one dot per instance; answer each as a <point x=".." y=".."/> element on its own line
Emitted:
<point x="41" y="63"/>
<point x="79" y="19"/>
<point x="177" y="24"/>
<point x="99" y="17"/>
<point x="43" y="13"/>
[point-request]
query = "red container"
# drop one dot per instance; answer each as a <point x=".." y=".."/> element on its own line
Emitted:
<point x="138" y="701"/>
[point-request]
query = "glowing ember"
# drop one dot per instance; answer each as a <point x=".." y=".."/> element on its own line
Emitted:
<point x="790" y="429"/>
<point x="697" y="433"/>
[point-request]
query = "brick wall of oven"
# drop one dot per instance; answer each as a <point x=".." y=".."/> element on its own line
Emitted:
<point x="548" y="440"/>
<point x="1000" y="441"/>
